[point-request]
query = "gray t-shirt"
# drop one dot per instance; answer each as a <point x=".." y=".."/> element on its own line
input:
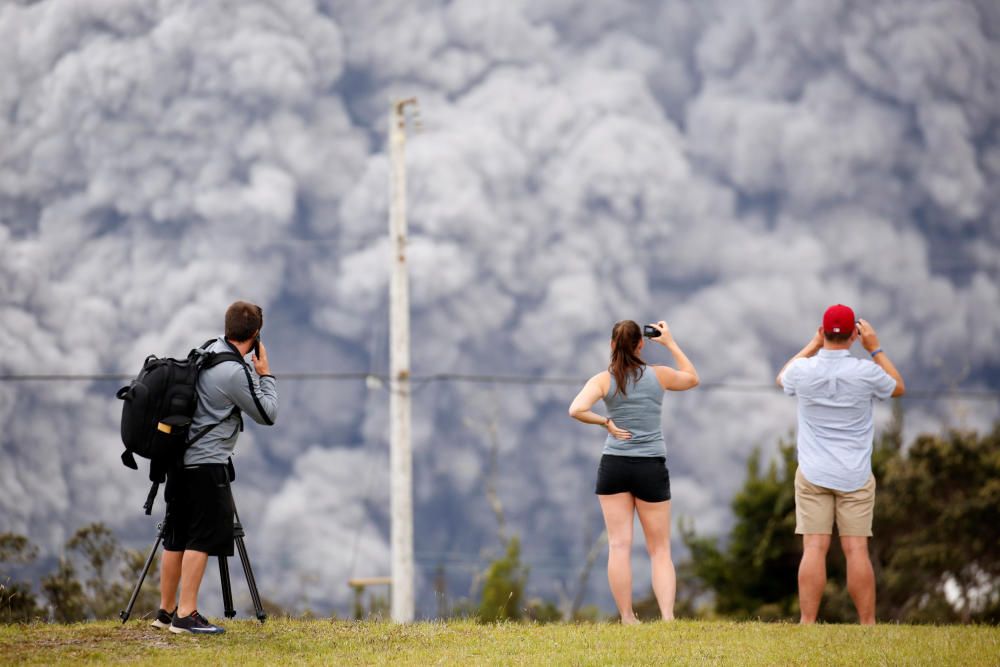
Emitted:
<point x="639" y="414"/>
<point x="220" y="389"/>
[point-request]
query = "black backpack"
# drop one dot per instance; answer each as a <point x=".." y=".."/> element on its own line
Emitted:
<point x="157" y="411"/>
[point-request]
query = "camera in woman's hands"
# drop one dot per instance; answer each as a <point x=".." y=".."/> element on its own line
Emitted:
<point x="649" y="331"/>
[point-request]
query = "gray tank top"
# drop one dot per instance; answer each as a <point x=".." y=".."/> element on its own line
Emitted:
<point x="639" y="414"/>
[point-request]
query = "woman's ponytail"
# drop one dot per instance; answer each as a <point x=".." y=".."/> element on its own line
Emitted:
<point x="625" y="364"/>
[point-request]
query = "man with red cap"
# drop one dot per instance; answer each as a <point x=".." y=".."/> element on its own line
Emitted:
<point x="834" y="481"/>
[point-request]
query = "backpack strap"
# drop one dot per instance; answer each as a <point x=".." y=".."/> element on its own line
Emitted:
<point x="213" y="359"/>
<point x="129" y="460"/>
<point x="151" y="498"/>
<point x="203" y="432"/>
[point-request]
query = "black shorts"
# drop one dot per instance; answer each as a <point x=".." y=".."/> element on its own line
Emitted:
<point x="199" y="510"/>
<point x="645" y="477"/>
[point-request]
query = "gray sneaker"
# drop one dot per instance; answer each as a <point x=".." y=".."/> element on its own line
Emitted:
<point x="163" y="618"/>
<point x="195" y="624"/>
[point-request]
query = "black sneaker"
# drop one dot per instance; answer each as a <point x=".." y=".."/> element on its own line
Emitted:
<point x="163" y="619"/>
<point x="195" y="624"/>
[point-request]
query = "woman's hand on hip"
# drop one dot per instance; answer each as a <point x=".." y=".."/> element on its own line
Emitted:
<point x="618" y="433"/>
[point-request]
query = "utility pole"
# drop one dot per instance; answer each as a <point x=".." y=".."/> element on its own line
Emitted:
<point x="400" y="450"/>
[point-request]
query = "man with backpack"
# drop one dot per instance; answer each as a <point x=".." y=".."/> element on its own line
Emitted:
<point x="200" y="509"/>
<point x="834" y="481"/>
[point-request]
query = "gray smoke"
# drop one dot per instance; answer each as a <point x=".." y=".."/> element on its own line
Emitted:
<point x="732" y="167"/>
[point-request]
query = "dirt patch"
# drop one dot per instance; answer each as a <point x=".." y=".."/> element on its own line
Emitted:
<point x="98" y="639"/>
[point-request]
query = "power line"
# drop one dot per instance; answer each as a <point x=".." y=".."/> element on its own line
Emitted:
<point x="522" y="380"/>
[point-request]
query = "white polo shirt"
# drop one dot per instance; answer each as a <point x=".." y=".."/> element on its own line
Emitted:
<point x="836" y="393"/>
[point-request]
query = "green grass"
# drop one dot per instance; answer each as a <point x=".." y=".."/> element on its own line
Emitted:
<point x="281" y="641"/>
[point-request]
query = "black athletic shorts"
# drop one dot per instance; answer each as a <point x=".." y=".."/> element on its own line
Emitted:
<point x="199" y="510"/>
<point x="645" y="477"/>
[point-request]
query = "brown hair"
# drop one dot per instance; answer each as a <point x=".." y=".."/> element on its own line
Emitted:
<point x="625" y="363"/>
<point x="243" y="320"/>
<point x="838" y="337"/>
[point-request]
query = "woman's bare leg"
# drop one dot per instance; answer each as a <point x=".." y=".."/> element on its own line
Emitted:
<point x="655" y="520"/>
<point x="619" y="510"/>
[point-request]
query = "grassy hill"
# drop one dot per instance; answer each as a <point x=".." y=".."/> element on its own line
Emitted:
<point x="344" y="642"/>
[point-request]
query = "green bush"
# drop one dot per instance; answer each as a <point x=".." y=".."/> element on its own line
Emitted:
<point x="503" y="587"/>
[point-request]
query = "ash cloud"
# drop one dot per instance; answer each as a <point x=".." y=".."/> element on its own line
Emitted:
<point x="732" y="167"/>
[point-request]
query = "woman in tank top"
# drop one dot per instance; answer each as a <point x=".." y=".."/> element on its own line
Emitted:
<point x="633" y="474"/>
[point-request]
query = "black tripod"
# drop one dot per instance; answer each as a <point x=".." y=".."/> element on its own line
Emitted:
<point x="227" y="589"/>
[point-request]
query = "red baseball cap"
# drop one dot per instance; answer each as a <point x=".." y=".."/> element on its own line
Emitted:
<point x="838" y="319"/>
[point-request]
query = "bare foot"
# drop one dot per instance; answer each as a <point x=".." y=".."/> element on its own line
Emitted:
<point x="631" y="620"/>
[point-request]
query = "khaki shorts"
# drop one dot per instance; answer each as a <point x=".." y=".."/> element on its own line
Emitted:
<point x="816" y="507"/>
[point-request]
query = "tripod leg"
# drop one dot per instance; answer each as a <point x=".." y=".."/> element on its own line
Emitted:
<point x="127" y="611"/>
<point x="245" y="559"/>
<point x="247" y="570"/>
<point x="227" y="588"/>
<point x="251" y="582"/>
